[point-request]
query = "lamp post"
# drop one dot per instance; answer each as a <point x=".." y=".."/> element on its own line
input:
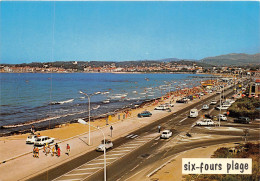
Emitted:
<point x="81" y="121"/>
<point x="88" y="115"/>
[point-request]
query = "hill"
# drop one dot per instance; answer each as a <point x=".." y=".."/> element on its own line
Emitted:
<point x="233" y="59"/>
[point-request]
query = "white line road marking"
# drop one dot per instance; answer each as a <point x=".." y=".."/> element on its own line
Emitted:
<point x="77" y="174"/>
<point x="183" y="120"/>
<point x="69" y="179"/>
<point x="129" y="135"/>
<point x="94" y="163"/>
<point x="142" y="141"/>
<point x="120" y="151"/>
<point x="129" y="147"/>
<point x="134" y="136"/>
<point x="89" y="168"/>
<point x="107" y="159"/>
<point x="157" y="138"/>
<point x="116" y="154"/>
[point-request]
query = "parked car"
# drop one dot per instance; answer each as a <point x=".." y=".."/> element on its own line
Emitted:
<point x="190" y="98"/>
<point x="213" y="102"/>
<point x="205" y="122"/>
<point x="205" y="107"/>
<point x="166" y="134"/>
<point x="169" y="104"/>
<point x="43" y="140"/>
<point x="31" y="139"/>
<point x="243" y="120"/>
<point x="161" y="107"/>
<point x="193" y="113"/>
<point x="144" y="114"/>
<point x="181" y="101"/>
<point x="105" y="144"/>
<point x="222" y="117"/>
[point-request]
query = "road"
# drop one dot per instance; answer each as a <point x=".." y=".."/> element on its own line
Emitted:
<point x="134" y="152"/>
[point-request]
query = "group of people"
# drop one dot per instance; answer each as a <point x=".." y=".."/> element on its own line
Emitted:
<point x="55" y="150"/>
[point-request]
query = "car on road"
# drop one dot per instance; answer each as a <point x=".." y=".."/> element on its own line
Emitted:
<point x="31" y="139"/>
<point x="222" y="117"/>
<point x="144" y="114"/>
<point x="162" y="107"/>
<point x="205" y="122"/>
<point x="213" y="102"/>
<point x="43" y="140"/>
<point x="169" y="104"/>
<point x="222" y="107"/>
<point x="205" y="107"/>
<point x="208" y="116"/>
<point x="166" y="134"/>
<point x="194" y="113"/>
<point x="243" y="120"/>
<point x="105" y="144"/>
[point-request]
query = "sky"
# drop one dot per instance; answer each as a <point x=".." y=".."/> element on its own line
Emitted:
<point x="120" y="31"/>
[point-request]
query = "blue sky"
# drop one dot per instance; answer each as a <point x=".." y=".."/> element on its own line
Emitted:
<point x="118" y="31"/>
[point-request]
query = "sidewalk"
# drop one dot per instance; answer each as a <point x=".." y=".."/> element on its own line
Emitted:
<point x="25" y="167"/>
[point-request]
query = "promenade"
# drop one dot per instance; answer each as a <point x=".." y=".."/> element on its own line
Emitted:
<point x="17" y="158"/>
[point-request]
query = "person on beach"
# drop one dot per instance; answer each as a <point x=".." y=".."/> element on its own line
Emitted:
<point x="68" y="149"/>
<point x="58" y="152"/>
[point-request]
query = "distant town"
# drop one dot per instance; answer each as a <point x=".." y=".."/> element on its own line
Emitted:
<point x="230" y="63"/>
<point x="122" y="67"/>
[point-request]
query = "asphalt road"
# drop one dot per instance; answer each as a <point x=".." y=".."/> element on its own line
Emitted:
<point x="121" y="168"/>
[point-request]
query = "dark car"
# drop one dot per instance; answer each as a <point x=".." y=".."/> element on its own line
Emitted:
<point x="181" y="101"/>
<point x="243" y="120"/>
<point x="208" y="116"/>
<point x="144" y="114"/>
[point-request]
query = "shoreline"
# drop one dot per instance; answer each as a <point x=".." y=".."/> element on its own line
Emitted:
<point x="128" y="108"/>
<point x="175" y="94"/>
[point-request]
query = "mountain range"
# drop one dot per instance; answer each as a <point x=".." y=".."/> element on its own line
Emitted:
<point x="233" y="59"/>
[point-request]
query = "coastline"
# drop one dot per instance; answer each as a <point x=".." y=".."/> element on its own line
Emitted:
<point x="104" y="117"/>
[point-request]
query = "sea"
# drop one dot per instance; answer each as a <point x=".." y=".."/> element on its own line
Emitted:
<point x="48" y="99"/>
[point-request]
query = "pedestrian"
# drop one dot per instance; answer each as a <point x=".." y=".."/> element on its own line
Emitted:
<point x="44" y="149"/>
<point x="37" y="152"/>
<point x="56" y="147"/>
<point x="34" y="152"/>
<point x="58" y="152"/>
<point x="48" y="149"/>
<point x="68" y="149"/>
<point x="159" y="129"/>
<point x="53" y="151"/>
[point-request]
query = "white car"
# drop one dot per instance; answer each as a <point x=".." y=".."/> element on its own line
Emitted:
<point x="194" y="113"/>
<point x="166" y="134"/>
<point x="205" y="122"/>
<point x="31" y="139"/>
<point x="205" y="107"/>
<point x="222" y="117"/>
<point x="213" y="102"/>
<point x="161" y="107"/>
<point x="223" y="107"/>
<point x="105" y="144"/>
<point x="43" y="140"/>
<point x="169" y="104"/>
<point x="226" y="103"/>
